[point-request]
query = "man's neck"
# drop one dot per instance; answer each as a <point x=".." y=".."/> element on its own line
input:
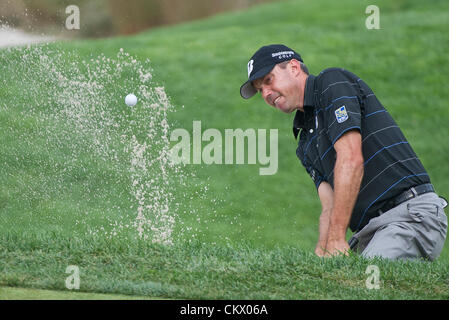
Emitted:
<point x="303" y="82"/>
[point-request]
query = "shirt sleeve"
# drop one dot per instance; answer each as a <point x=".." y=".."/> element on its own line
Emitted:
<point x="314" y="173"/>
<point x="341" y="103"/>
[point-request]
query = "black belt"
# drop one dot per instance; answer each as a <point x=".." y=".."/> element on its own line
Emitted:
<point x="407" y="195"/>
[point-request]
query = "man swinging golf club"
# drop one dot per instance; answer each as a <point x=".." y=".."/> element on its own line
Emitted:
<point x="366" y="173"/>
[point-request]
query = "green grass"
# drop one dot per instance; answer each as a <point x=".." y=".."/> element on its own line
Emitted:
<point x="12" y="293"/>
<point x="198" y="271"/>
<point x="253" y="235"/>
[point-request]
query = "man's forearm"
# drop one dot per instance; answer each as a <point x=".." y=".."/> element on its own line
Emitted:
<point x="326" y="194"/>
<point x="348" y="175"/>
<point x="323" y="229"/>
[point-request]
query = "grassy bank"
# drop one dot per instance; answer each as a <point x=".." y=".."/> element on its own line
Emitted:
<point x="204" y="271"/>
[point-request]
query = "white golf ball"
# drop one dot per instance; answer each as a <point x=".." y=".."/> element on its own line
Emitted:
<point x="131" y="100"/>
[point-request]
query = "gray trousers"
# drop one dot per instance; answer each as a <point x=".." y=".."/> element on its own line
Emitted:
<point x="414" y="229"/>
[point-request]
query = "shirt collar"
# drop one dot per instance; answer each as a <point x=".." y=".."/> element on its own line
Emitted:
<point x="304" y="120"/>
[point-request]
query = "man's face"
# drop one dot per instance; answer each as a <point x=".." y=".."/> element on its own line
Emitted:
<point x="281" y="88"/>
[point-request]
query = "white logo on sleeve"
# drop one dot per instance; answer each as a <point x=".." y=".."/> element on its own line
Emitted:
<point x="341" y="114"/>
<point x="250" y="67"/>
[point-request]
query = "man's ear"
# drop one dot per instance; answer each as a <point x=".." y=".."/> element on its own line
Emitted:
<point x="295" y="66"/>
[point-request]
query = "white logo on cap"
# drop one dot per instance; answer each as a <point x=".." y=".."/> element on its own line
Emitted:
<point x="250" y="67"/>
<point x="283" y="54"/>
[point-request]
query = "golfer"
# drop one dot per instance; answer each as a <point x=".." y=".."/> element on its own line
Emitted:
<point x="366" y="173"/>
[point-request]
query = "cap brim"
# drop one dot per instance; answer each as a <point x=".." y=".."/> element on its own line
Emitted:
<point x="247" y="90"/>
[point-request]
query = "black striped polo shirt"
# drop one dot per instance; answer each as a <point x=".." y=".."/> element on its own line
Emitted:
<point x="335" y="102"/>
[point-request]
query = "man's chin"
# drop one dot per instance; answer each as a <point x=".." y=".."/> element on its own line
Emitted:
<point x="286" y="109"/>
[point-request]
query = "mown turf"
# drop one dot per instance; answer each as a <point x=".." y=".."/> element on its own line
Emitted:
<point x="12" y="293"/>
<point x="46" y="213"/>
<point x="205" y="271"/>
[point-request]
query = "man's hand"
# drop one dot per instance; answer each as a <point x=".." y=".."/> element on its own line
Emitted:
<point x="335" y="248"/>
<point x="320" y="251"/>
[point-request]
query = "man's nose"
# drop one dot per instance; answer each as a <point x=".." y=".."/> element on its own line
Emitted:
<point x="266" y="94"/>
